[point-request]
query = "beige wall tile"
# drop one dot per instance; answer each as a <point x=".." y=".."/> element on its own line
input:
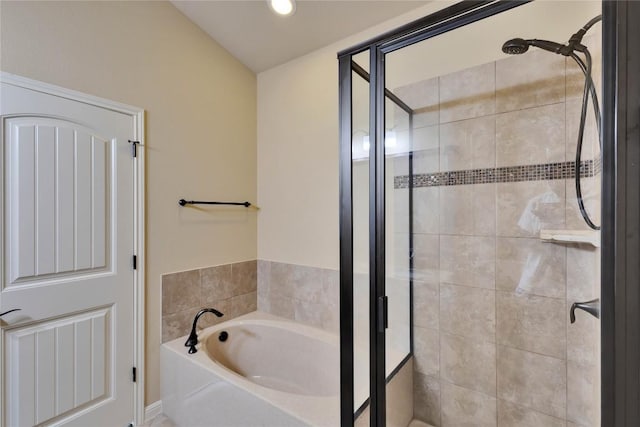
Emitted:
<point x="583" y="394"/>
<point x="264" y="303"/>
<point x="468" y="363"/>
<point x="532" y="323"/>
<point x="468" y="209"/>
<point x="180" y="291"/>
<point x="309" y="313"/>
<point x="244" y="276"/>
<point x="468" y="144"/>
<point x="243" y="304"/>
<point x="468" y="93"/>
<point x="398" y="215"/>
<point x="592" y="197"/>
<point x="468" y="312"/>
<point x="462" y="407"/>
<point x="583" y="338"/>
<point x="529" y="80"/>
<point x="575" y="77"/>
<point x="530" y="266"/>
<point x="590" y="141"/>
<point x="217" y="283"/>
<point x="583" y="272"/>
<point x="307" y="282"/>
<point x="426" y="160"/>
<point x="426" y="399"/>
<point x="426" y="211"/>
<point x="177" y="324"/>
<point x="279" y="279"/>
<point x="483" y="202"/>
<point x="226" y="307"/>
<point x="426" y="258"/>
<point x="525" y="208"/>
<point x="321" y="315"/>
<point x="331" y="285"/>
<point x="264" y="275"/>
<point x="574" y="81"/>
<point x="426" y="304"/>
<point x="427" y="138"/>
<point x="531" y="136"/>
<point x="423" y="98"/>
<point x="398" y="263"/>
<point x="309" y="295"/>
<point x="283" y="307"/>
<point x="426" y="351"/>
<point x="512" y="415"/>
<point x="468" y="261"/>
<point x="532" y="380"/>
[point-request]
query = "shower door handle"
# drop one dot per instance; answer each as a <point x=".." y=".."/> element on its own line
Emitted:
<point x="592" y="307"/>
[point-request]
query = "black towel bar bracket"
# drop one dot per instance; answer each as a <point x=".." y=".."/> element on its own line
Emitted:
<point x="183" y="202"/>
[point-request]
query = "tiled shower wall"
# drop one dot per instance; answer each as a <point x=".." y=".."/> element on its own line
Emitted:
<point x="492" y="341"/>
<point x="229" y="288"/>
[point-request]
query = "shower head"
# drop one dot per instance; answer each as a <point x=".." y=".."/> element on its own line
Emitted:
<point x="515" y="46"/>
<point x="519" y="46"/>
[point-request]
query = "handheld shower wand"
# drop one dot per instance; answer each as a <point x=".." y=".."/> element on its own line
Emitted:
<point x="519" y="46"/>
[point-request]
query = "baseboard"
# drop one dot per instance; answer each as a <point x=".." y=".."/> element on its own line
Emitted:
<point x="152" y="411"/>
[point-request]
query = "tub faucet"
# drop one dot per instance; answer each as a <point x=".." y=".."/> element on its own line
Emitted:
<point x="192" y="341"/>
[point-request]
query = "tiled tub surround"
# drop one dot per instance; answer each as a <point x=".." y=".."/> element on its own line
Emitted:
<point x="492" y="340"/>
<point x="229" y="288"/>
<point x="308" y="295"/>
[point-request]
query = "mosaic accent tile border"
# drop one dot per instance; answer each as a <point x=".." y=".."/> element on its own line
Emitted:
<point x="542" y="172"/>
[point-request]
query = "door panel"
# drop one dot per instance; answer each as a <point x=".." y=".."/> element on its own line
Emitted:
<point x="68" y="242"/>
<point x="58" y="191"/>
<point x="59" y="367"/>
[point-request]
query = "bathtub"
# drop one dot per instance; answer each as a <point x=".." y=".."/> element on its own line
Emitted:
<point x="269" y="372"/>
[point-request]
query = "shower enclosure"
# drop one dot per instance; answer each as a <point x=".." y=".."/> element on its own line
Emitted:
<point x="478" y="155"/>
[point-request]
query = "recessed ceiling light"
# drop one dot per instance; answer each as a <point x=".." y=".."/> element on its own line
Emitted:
<point x="283" y="7"/>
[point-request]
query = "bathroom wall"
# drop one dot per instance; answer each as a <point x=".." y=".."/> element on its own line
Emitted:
<point x="492" y="340"/>
<point x="229" y="288"/>
<point x="200" y="107"/>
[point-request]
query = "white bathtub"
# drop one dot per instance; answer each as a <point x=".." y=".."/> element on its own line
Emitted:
<point x="269" y="372"/>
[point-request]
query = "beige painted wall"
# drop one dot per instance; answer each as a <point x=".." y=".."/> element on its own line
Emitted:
<point x="201" y="122"/>
<point x="298" y="119"/>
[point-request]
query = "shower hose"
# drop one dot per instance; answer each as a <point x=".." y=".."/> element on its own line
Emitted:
<point x="589" y="89"/>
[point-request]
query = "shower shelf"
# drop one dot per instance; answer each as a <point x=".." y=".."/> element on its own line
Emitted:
<point x="571" y="236"/>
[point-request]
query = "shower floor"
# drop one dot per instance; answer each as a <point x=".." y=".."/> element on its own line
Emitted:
<point x="418" y="423"/>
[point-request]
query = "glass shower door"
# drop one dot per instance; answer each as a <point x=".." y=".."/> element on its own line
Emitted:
<point x="500" y="249"/>
<point x="482" y="275"/>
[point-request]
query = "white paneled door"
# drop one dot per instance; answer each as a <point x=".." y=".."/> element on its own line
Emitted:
<point x="67" y="251"/>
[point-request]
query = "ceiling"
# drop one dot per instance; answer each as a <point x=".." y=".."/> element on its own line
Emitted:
<point x="261" y="40"/>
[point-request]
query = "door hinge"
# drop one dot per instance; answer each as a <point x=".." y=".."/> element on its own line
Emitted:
<point x="134" y="147"/>
<point x="135" y="262"/>
<point x="383" y="317"/>
<point x="133" y="374"/>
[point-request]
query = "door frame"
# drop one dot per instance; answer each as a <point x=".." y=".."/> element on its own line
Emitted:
<point x="620" y="278"/>
<point x="137" y="115"/>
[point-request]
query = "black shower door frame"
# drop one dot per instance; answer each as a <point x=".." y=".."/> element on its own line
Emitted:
<point x="620" y="280"/>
